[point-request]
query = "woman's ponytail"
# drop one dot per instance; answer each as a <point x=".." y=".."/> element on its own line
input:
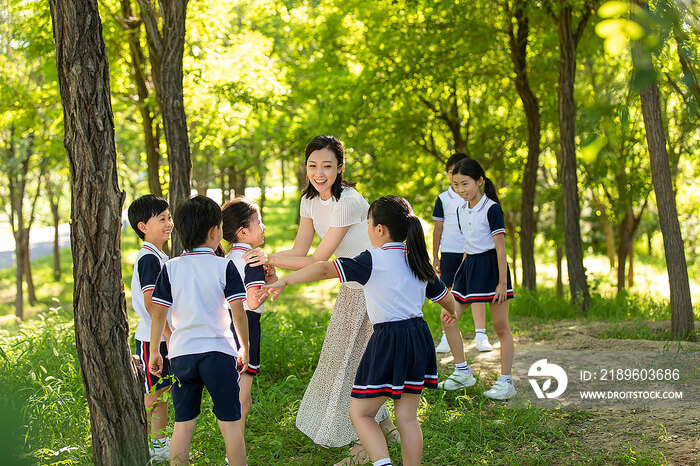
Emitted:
<point x="396" y="214"/>
<point x="416" y="251"/>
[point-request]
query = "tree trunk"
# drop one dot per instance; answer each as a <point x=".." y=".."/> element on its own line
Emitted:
<point x="528" y="223"/>
<point x="166" y="51"/>
<point x="630" y="269"/>
<point x="112" y="387"/>
<point x="682" y="324"/>
<point x="625" y="237"/>
<point x="19" y="273"/>
<point x="560" y="278"/>
<point x="609" y="239"/>
<point x="56" y="245"/>
<point x="139" y="76"/>
<point x="31" y="293"/>
<point x="578" y="286"/>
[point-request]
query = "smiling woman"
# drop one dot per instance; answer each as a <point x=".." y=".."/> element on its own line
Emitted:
<point x="335" y="211"/>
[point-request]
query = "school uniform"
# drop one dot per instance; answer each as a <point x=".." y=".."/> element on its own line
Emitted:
<point x="400" y="356"/>
<point x="452" y="240"/>
<point x="477" y="277"/>
<point x="196" y="288"/>
<point x="252" y="277"/>
<point x="148" y="264"/>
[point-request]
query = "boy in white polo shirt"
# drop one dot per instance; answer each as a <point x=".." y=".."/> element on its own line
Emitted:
<point x="448" y="251"/>
<point x="149" y="216"/>
<point x="196" y="288"/>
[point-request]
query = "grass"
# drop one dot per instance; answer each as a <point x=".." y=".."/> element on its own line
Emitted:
<point x="44" y="413"/>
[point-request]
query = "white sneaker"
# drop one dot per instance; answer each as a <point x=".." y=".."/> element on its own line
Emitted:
<point x="457" y="380"/>
<point x="482" y="342"/>
<point x="161" y="452"/>
<point x="501" y="390"/>
<point x="443" y="346"/>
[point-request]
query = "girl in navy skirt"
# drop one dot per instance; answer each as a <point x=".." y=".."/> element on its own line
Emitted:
<point x="399" y="360"/>
<point x="483" y="277"/>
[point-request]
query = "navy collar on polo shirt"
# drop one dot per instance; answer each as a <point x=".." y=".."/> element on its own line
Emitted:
<point x="393" y="245"/>
<point x="199" y="251"/>
<point x="479" y="205"/>
<point x="241" y="247"/>
<point x="151" y="247"/>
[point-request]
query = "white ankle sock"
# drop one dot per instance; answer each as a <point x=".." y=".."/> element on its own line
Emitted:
<point x="480" y="330"/>
<point x="506" y="378"/>
<point x="462" y="367"/>
<point x="382" y="462"/>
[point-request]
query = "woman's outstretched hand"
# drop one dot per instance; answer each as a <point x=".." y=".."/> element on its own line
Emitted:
<point x="273" y="289"/>
<point x="255" y="257"/>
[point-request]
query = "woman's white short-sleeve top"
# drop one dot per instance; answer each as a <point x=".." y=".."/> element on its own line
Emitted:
<point x="349" y="210"/>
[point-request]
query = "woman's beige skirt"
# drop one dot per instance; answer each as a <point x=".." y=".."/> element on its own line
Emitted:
<point x="324" y="411"/>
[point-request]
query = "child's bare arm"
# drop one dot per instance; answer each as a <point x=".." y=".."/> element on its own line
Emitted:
<point x="501" y="289"/>
<point x="311" y="273"/>
<point x="448" y="313"/>
<point x="240" y="324"/>
<point x="158" y="323"/>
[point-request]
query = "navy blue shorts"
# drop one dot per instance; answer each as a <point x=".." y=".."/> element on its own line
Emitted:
<point x="213" y="370"/>
<point x="143" y="350"/>
<point x="253" y="342"/>
<point x="449" y="263"/>
<point x="400" y="358"/>
<point x="477" y="278"/>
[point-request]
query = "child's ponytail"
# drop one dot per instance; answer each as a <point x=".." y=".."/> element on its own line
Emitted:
<point x="396" y="214"/>
<point x="416" y="252"/>
<point x="236" y="214"/>
<point x="490" y="190"/>
<point x="472" y="169"/>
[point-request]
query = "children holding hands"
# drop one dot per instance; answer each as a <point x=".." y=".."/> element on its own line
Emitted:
<point x="400" y="357"/>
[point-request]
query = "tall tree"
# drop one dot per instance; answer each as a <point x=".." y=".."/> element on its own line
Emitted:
<point x="166" y="49"/>
<point x="569" y="36"/>
<point x="518" y="31"/>
<point x="644" y="76"/>
<point x="111" y="380"/>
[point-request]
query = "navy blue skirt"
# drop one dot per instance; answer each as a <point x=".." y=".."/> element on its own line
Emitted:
<point x="400" y="358"/>
<point x="477" y="278"/>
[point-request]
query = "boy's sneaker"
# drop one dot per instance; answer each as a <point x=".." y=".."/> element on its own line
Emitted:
<point x="501" y="390"/>
<point x="443" y="346"/>
<point x="457" y="380"/>
<point x="160" y="449"/>
<point x="482" y="342"/>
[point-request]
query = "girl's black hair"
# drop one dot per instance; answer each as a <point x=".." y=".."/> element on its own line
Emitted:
<point x="472" y="169"/>
<point x="396" y="214"/>
<point x="194" y="218"/>
<point x="455" y="159"/>
<point x="333" y="144"/>
<point x="236" y="214"/>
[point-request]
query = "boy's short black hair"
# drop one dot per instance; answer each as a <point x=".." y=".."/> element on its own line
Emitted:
<point x="143" y="209"/>
<point x="455" y="159"/>
<point x="194" y="218"/>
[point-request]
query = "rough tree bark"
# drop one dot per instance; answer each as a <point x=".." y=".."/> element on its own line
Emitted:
<point x="132" y="24"/>
<point x="166" y="49"/>
<point x="682" y="324"/>
<point x="517" y="41"/>
<point x="568" y="42"/>
<point x="112" y="386"/>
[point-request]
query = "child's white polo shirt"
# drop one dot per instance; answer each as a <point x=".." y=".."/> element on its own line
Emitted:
<point x="391" y="289"/>
<point x="196" y="287"/>
<point x="480" y="224"/>
<point x="252" y="276"/>
<point x="445" y="211"/>
<point x="148" y="264"/>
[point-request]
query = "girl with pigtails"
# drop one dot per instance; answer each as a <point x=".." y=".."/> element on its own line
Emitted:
<point x="399" y="361"/>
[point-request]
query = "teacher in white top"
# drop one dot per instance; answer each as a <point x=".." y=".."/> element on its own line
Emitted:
<point x="333" y="209"/>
